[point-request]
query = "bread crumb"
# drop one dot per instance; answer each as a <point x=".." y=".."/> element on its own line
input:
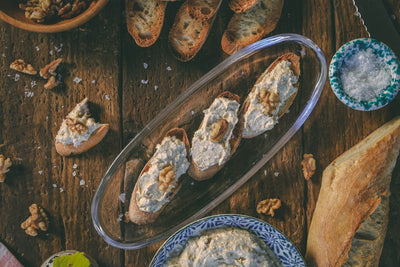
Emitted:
<point x="268" y="206"/>
<point x="122" y="197"/>
<point x="77" y="80"/>
<point x="309" y="166"/>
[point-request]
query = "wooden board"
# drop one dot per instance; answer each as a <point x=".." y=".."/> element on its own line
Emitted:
<point x="128" y="85"/>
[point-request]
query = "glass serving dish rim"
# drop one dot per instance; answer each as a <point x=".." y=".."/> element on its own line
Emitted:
<point x="247" y="51"/>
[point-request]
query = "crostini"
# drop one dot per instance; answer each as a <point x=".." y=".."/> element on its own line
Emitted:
<point x="271" y="96"/>
<point x="159" y="180"/>
<point x="217" y="138"/>
<point x="79" y="132"/>
<point x="203" y="9"/>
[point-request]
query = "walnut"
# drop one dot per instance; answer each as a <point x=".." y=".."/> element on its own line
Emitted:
<point x="309" y="166"/>
<point x="50" y="69"/>
<point x="5" y="164"/>
<point x="51" y="83"/>
<point x="166" y="178"/>
<point x="21" y="66"/>
<point x="75" y="125"/>
<point x="37" y="221"/>
<point x="219" y="130"/>
<point x="268" y="206"/>
<point x="269" y="100"/>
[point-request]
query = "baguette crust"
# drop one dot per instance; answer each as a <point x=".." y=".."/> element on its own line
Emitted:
<point x="144" y="19"/>
<point x="94" y="139"/>
<point x="239" y="6"/>
<point x="200" y="175"/>
<point x="250" y="26"/>
<point x="203" y="9"/>
<point x="187" y="35"/>
<point x="295" y="67"/>
<point x="141" y="217"/>
<point x="353" y="186"/>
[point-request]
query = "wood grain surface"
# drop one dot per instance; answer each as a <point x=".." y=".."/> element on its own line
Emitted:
<point x="127" y="86"/>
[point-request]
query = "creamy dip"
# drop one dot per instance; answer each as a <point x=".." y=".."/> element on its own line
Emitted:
<point x="280" y="80"/>
<point x="224" y="247"/>
<point x="80" y="115"/>
<point x="205" y="152"/>
<point x="171" y="151"/>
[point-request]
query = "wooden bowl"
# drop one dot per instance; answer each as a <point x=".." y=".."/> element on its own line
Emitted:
<point x="12" y="14"/>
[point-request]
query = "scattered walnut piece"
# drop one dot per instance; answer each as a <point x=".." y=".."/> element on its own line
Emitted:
<point x="21" y="66"/>
<point x="269" y="100"/>
<point x="309" y="166"/>
<point x="218" y="130"/>
<point x="166" y="178"/>
<point x="268" y="206"/>
<point x="5" y="164"/>
<point x="50" y="69"/>
<point x="37" y="221"/>
<point x="51" y="83"/>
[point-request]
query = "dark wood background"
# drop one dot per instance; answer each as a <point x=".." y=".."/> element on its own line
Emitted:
<point x="110" y="64"/>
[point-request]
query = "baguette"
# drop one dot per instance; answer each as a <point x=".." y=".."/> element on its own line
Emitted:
<point x="136" y="213"/>
<point x="78" y="132"/>
<point x="233" y="140"/>
<point x="202" y="9"/>
<point x="351" y="213"/>
<point x="272" y="109"/>
<point x="250" y="26"/>
<point x="144" y="19"/>
<point x="239" y="6"/>
<point x="187" y="35"/>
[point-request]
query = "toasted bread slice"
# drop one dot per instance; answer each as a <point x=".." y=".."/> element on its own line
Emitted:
<point x="295" y="67"/>
<point x="202" y="9"/>
<point x="94" y="139"/>
<point x="239" y="6"/>
<point x="187" y="35"/>
<point x="144" y="19"/>
<point x="250" y="26"/>
<point x="200" y="175"/>
<point x="140" y="217"/>
<point x="353" y="188"/>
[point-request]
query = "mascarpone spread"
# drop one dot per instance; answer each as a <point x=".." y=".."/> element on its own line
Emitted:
<point x="224" y="247"/>
<point x="81" y="115"/>
<point x="171" y="151"/>
<point x="206" y="153"/>
<point x="280" y="80"/>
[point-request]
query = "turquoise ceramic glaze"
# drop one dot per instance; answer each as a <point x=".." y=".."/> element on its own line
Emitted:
<point x="383" y="51"/>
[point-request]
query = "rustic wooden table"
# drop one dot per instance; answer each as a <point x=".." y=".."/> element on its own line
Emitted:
<point x="111" y="67"/>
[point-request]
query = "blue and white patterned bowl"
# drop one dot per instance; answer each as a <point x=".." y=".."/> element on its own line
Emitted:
<point x="280" y="245"/>
<point x="349" y="49"/>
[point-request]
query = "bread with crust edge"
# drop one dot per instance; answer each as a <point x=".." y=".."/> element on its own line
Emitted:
<point x="194" y="170"/>
<point x="239" y="6"/>
<point x="295" y="67"/>
<point x="202" y="10"/>
<point x="141" y="217"/>
<point x="352" y="188"/>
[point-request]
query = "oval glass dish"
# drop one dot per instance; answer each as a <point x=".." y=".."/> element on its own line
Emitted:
<point x="237" y="74"/>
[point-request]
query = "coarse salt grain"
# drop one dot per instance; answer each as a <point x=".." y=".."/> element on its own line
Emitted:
<point x="82" y="182"/>
<point x="61" y="190"/>
<point x="122" y="197"/>
<point x="265" y="172"/>
<point x="74" y="173"/>
<point x="155" y="87"/>
<point x="16" y="77"/>
<point x="169" y="68"/>
<point x="37" y="48"/>
<point x="33" y="83"/>
<point x="120" y="217"/>
<point x="145" y="81"/>
<point x="276" y="174"/>
<point x="107" y="97"/>
<point x="40" y="172"/>
<point x="74" y="166"/>
<point x="54" y="185"/>
<point x="77" y="80"/>
<point x="364" y="75"/>
<point x="145" y="65"/>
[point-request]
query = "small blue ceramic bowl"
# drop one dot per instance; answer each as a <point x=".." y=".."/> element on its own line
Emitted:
<point x="280" y="245"/>
<point x="347" y="51"/>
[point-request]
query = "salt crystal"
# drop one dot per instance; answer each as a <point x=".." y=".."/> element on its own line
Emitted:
<point x="145" y="65"/>
<point x="276" y="174"/>
<point x="61" y="190"/>
<point x="75" y="166"/>
<point x="33" y="83"/>
<point x="93" y="81"/>
<point x="40" y="172"/>
<point x="192" y="112"/>
<point x="107" y="97"/>
<point x="122" y="197"/>
<point x="287" y="111"/>
<point x="54" y="185"/>
<point x="74" y="173"/>
<point x="265" y="172"/>
<point x="82" y="182"/>
<point x="155" y="87"/>
<point x="29" y="94"/>
<point x="16" y="77"/>
<point x="364" y="75"/>
<point x="54" y="167"/>
<point x="51" y="52"/>
<point x="145" y="81"/>
<point x="265" y="135"/>
<point x="120" y="217"/>
<point x="77" y="80"/>
<point x="169" y="68"/>
<point x="37" y="48"/>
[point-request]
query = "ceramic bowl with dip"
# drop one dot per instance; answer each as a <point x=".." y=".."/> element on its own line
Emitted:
<point x="364" y="74"/>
